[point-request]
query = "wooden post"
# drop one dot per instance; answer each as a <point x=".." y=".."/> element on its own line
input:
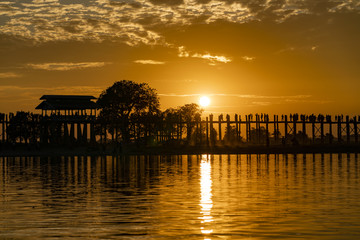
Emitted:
<point x="3" y="128"/>
<point x="247" y="127"/>
<point x="258" y="128"/>
<point x="113" y="135"/>
<point x="294" y="126"/>
<point x="330" y="130"/>
<point x="322" y="129"/>
<point x="250" y="119"/>
<point x="339" y="129"/>
<point x="286" y="128"/>
<point x="46" y="132"/>
<point x="275" y="129"/>
<point x="66" y="133"/>
<point x="180" y="124"/>
<point x="200" y="131"/>
<point x="85" y="133"/>
<point x="228" y="126"/>
<point x="220" y="118"/>
<point x="72" y="132"/>
<point x="20" y="133"/>
<point x="212" y="140"/>
<point x="239" y="129"/>
<point x="207" y="131"/>
<point x="236" y="128"/>
<point x="92" y="132"/>
<point x="267" y="130"/>
<point x="33" y="137"/>
<point x="313" y="130"/>
<point x="347" y="129"/>
<point x="355" y="130"/>
<point x="304" y="128"/>
<point x="79" y="134"/>
<point x="6" y="127"/>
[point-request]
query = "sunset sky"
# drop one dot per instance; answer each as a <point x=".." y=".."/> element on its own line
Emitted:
<point x="247" y="56"/>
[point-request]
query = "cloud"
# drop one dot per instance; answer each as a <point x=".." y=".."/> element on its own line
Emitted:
<point x="151" y="62"/>
<point x="167" y="2"/>
<point x="262" y="103"/>
<point x="213" y="59"/>
<point x="248" y="96"/>
<point x="177" y="95"/>
<point x="308" y="101"/>
<point x="133" y="21"/>
<point x="10" y="75"/>
<point x="65" y="66"/>
<point x="183" y="52"/>
<point x="248" y="59"/>
<point x="265" y="96"/>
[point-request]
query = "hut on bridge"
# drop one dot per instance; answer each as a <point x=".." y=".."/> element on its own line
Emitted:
<point x="68" y="106"/>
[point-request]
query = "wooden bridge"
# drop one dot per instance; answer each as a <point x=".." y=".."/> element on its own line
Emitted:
<point x="257" y="129"/>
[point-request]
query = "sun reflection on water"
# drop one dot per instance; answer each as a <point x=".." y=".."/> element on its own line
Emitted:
<point x="206" y="195"/>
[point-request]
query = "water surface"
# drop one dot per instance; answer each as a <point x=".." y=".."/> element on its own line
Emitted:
<point x="181" y="197"/>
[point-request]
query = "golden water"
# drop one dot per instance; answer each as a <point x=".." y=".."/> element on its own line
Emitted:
<point x="181" y="197"/>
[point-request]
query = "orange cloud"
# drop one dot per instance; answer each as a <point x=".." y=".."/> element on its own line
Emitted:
<point x="65" y="66"/>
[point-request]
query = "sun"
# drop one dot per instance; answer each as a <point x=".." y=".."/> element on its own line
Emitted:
<point x="204" y="101"/>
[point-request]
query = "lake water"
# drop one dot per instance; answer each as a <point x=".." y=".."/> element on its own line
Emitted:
<point x="301" y="196"/>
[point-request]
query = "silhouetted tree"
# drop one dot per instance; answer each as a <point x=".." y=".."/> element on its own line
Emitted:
<point x="258" y="135"/>
<point x="171" y="117"/>
<point x="189" y="113"/>
<point x="24" y="127"/>
<point x="124" y="100"/>
<point x="276" y="134"/>
<point x="230" y="136"/>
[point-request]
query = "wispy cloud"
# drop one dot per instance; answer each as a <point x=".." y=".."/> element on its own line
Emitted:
<point x="65" y="66"/>
<point x="262" y="103"/>
<point x="213" y="59"/>
<point x="247" y="96"/>
<point x="308" y="101"/>
<point x="252" y="96"/>
<point x="259" y="100"/>
<point x="10" y="75"/>
<point x="183" y="52"/>
<point x="151" y="62"/>
<point x="248" y="59"/>
<point x="177" y="95"/>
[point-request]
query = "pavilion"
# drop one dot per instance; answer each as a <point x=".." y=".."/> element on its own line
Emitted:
<point x="68" y="105"/>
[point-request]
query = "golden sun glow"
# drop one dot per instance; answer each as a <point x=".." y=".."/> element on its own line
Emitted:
<point x="206" y="202"/>
<point x="204" y="101"/>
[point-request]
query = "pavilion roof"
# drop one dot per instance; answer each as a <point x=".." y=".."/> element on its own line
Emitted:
<point x="68" y="97"/>
<point x="67" y="102"/>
